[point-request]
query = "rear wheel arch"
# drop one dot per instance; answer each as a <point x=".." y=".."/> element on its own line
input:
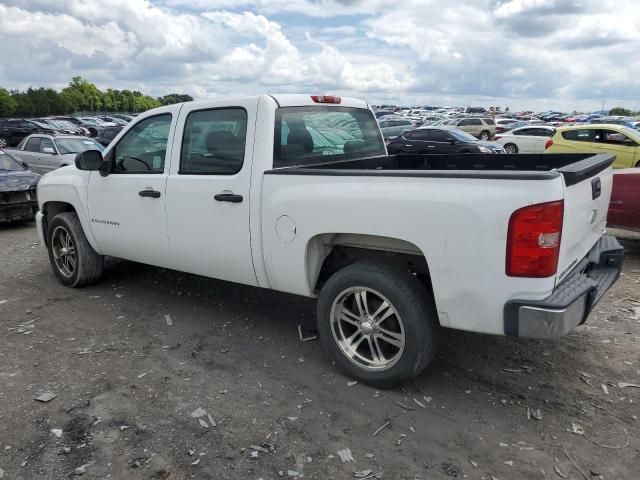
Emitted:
<point x="328" y="253"/>
<point x="378" y="323"/>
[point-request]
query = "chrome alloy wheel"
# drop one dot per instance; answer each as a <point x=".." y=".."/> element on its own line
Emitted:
<point x="510" y="148"/>
<point x="64" y="251"/>
<point x="367" y="328"/>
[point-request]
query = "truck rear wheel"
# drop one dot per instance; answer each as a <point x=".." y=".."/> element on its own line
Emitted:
<point x="72" y="258"/>
<point x="378" y="323"/>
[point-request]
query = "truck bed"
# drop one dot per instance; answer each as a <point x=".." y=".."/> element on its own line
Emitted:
<point x="574" y="167"/>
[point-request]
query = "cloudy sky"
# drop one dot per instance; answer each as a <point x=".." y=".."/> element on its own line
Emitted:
<point x="523" y="53"/>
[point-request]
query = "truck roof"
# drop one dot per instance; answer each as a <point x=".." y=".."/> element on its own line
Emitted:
<point x="296" y="100"/>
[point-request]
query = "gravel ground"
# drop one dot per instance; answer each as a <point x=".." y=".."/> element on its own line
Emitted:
<point x="128" y="385"/>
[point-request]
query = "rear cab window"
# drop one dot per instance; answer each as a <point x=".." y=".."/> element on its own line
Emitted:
<point x="317" y="134"/>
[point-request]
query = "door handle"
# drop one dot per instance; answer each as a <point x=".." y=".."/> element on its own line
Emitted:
<point x="149" y="193"/>
<point x="228" y="197"/>
<point x="431" y="146"/>
<point x="408" y="145"/>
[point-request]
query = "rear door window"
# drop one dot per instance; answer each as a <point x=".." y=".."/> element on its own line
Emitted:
<point x="420" y="135"/>
<point x="439" y="136"/>
<point x="581" y="135"/>
<point x="213" y="142"/>
<point x="318" y="134"/>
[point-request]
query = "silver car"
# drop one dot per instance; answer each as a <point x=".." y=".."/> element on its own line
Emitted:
<point x="392" y="127"/>
<point x="44" y="153"/>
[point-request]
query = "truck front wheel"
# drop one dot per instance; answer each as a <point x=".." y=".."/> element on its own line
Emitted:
<point x="72" y="258"/>
<point x="378" y="323"/>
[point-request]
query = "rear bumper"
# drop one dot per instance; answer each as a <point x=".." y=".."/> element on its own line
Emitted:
<point x="572" y="300"/>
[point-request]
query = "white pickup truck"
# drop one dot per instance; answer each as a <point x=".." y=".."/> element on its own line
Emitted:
<point x="296" y="193"/>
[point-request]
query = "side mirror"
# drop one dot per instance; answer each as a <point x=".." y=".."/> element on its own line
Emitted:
<point x="89" y="160"/>
<point x="48" y="150"/>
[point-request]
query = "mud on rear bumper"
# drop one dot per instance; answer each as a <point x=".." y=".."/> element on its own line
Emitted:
<point x="572" y="300"/>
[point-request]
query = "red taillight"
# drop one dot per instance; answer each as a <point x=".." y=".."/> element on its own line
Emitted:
<point x="497" y="137"/>
<point x="533" y="240"/>
<point x="548" y="144"/>
<point x="325" y="99"/>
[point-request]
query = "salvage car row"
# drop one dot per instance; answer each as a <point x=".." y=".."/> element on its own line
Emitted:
<point x="14" y="130"/>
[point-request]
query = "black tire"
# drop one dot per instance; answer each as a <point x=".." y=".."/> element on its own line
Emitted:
<point x="509" y="146"/>
<point x="415" y="312"/>
<point x="87" y="265"/>
<point x="485" y="135"/>
<point x="4" y="142"/>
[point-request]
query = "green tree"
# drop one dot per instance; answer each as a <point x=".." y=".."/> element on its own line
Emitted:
<point x="7" y="103"/>
<point x="620" y="111"/>
<point x="79" y="95"/>
<point x="175" y="98"/>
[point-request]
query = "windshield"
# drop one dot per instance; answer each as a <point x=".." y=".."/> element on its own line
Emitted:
<point x="314" y="134"/>
<point x="7" y="163"/>
<point x="463" y="136"/>
<point x="40" y="124"/>
<point x="76" y="145"/>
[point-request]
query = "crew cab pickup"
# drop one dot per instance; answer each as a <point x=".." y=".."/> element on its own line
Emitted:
<point x="297" y="193"/>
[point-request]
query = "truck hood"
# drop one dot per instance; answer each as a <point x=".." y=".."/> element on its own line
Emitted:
<point x="18" y="181"/>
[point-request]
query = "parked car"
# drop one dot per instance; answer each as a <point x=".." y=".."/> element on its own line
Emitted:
<point x="12" y="131"/>
<point x="44" y="153"/>
<point x="17" y="190"/>
<point x="501" y="128"/>
<point x="393" y="127"/>
<point x="115" y="120"/>
<point x="476" y="110"/>
<point x="64" y="127"/>
<point x="622" y="141"/>
<point x="381" y="240"/>
<point x="431" y="140"/>
<point x="93" y="127"/>
<point x="108" y="134"/>
<point x="122" y="116"/>
<point x="504" y="121"/>
<point x="482" y="128"/>
<point x="624" y="209"/>
<point x="528" y="139"/>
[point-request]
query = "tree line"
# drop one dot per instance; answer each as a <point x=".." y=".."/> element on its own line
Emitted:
<point x="80" y="95"/>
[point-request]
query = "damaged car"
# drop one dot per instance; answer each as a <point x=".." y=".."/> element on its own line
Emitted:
<point x="18" y="199"/>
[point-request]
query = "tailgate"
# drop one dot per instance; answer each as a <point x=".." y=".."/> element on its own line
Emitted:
<point x="588" y="186"/>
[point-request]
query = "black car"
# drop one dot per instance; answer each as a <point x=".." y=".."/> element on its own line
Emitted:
<point x="18" y="199"/>
<point x="108" y="134"/>
<point x="12" y="131"/>
<point x="427" y="140"/>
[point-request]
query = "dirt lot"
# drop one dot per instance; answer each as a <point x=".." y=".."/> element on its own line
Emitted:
<point x="127" y="384"/>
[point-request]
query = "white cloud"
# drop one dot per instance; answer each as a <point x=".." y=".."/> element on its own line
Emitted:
<point x="555" y="53"/>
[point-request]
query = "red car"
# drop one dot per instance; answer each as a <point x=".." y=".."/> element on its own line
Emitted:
<point x="624" y="209"/>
